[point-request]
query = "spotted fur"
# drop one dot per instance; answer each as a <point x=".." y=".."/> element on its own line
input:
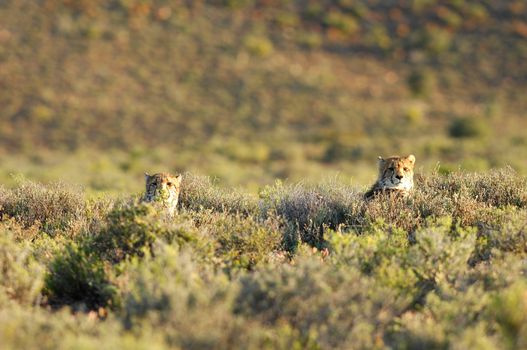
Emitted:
<point x="163" y="188"/>
<point x="396" y="174"/>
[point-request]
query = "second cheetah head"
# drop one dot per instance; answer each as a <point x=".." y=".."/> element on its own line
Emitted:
<point x="396" y="173"/>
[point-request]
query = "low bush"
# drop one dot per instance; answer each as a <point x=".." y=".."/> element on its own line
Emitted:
<point x="132" y="230"/>
<point x="341" y="308"/>
<point x="510" y="309"/>
<point x="199" y="192"/>
<point x="78" y="276"/>
<point x="22" y="275"/>
<point x="55" y="207"/>
<point x="40" y="328"/>
<point x="161" y="284"/>
<point x="308" y="210"/>
<point x="129" y="231"/>
<point x="187" y="303"/>
<point x="240" y="241"/>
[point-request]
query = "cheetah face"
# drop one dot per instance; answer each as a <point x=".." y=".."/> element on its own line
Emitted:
<point x="163" y="188"/>
<point x="397" y="172"/>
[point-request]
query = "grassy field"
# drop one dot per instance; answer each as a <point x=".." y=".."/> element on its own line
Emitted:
<point x="275" y="111"/>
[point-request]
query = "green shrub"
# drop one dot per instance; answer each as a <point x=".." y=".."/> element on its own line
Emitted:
<point x="510" y="310"/>
<point x="41" y="328"/>
<point x="341" y="308"/>
<point x="421" y="82"/>
<point x="459" y="307"/>
<point x="497" y="271"/>
<point x="441" y="253"/>
<point x="418" y="331"/>
<point x="436" y="40"/>
<point x="132" y="230"/>
<point x="85" y="272"/>
<point x="380" y="38"/>
<point x="22" y="275"/>
<point x="469" y="127"/>
<point x="258" y="45"/>
<point x="505" y="234"/>
<point x="477" y="12"/>
<point x="415" y="114"/>
<point x="376" y="252"/>
<point x="77" y="275"/>
<point x="153" y="281"/>
<point x="309" y="40"/>
<point x="241" y="242"/>
<point x="187" y="303"/>
<point x="345" y="23"/>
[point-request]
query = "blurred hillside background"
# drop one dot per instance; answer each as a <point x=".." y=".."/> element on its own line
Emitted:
<point x="97" y="92"/>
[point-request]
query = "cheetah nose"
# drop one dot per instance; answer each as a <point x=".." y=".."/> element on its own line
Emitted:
<point x="399" y="176"/>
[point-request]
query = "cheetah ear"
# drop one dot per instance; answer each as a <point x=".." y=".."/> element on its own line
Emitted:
<point x="411" y="158"/>
<point x="179" y="178"/>
<point x="147" y="176"/>
<point x="381" y="161"/>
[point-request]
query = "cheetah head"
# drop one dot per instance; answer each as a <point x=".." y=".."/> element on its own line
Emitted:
<point x="397" y="172"/>
<point x="163" y="188"/>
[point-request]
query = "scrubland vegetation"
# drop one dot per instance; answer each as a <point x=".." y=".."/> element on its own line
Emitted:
<point x="298" y="266"/>
<point x="271" y="99"/>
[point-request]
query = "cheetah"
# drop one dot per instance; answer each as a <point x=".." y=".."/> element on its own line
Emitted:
<point x="396" y="175"/>
<point x="163" y="188"/>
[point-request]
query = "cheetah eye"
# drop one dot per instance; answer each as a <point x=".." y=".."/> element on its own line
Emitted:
<point x="169" y="184"/>
<point x="405" y="169"/>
